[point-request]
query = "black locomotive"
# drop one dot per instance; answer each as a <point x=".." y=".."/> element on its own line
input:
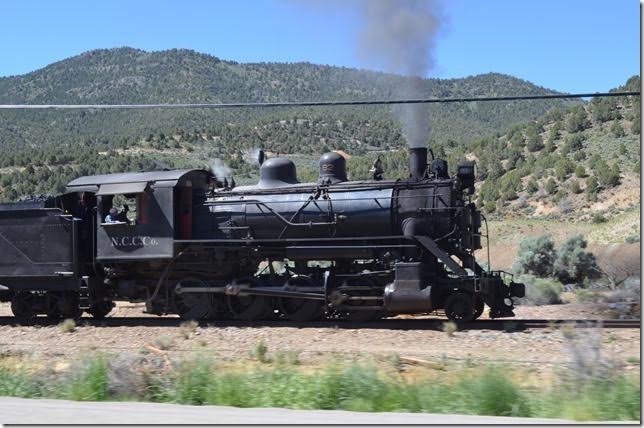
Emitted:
<point x="195" y="246"/>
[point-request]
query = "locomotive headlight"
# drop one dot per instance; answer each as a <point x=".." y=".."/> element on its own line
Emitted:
<point x="466" y="174"/>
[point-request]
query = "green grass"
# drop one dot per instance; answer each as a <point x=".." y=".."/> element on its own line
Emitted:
<point x="87" y="382"/>
<point x="202" y="380"/>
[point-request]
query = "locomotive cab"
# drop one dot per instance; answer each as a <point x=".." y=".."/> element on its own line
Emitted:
<point x="155" y="209"/>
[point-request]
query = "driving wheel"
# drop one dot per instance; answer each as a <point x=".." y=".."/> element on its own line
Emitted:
<point x="193" y="306"/>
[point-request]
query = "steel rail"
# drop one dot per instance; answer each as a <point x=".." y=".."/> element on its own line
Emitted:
<point x="309" y="103"/>
<point x="502" y="324"/>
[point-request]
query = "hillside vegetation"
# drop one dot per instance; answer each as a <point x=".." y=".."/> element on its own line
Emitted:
<point x="529" y="161"/>
<point x="45" y="149"/>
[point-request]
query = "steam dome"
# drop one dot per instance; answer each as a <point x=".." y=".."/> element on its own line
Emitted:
<point x="277" y="172"/>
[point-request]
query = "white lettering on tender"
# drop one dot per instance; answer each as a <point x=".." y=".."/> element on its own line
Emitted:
<point x="133" y="241"/>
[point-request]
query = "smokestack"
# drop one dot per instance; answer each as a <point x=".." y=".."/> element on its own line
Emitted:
<point x="417" y="162"/>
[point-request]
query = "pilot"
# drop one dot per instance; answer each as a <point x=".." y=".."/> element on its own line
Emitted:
<point x="115" y="217"/>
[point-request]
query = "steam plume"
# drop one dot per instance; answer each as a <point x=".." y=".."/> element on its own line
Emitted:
<point x="220" y="169"/>
<point x="399" y="36"/>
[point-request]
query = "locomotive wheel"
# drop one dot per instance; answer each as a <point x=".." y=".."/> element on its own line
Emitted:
<point x="219" y="308"/>
<point x="250" y="308"/>
<point x="301" y="310"/>
<point x="193" y="306"/>
<point x="460" y="307"/>
<point x="100" y="309"/>
<point x="68" y="305"/>
<point x="51" y="305"/>
<point x="479" y="306"/>
<point x="23" y="306"/>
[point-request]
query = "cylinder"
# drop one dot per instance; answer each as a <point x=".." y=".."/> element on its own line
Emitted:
<point x="417" y="162"/>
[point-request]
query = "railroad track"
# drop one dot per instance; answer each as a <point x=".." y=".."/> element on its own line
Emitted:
<point x="506" y="324"/>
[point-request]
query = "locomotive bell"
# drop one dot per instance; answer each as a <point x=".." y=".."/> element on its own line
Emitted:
<point x="333" y="168"/>
<point x="438" y="167"/>
<point x="277" y="172"/>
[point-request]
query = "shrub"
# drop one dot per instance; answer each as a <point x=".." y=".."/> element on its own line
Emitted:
<point x="163" y="342"/>
<point x="575" y="187"/>
<point x="532" y="186"/>
<point x="573" y="143"/>
<point x="551" y="186"/>
<point x="607" y="176"/>
<point x="592" y="188"/>
<point x="261" y="352"/>
<point x="535" y="143"/>
<point x="573" y="263"/>
<point x="67" y="326"/>
<point x="450" y="328"/>
<point x="536" y="256"/>
<point x="497" y="395"/>
<point x="18" y="384"/>
<point x="616" y="129"/>
<point x="579" y="156"/>
<point x="563" y="167"/>
<point x="540" y="291"/>
<point x="598" y="218"/>
<point x="580" y="171"/>
<point x="631" y="239"/>
<point x="89" y="382"/>
<point x="188" y="328"/>
<point x="624" y="301"/>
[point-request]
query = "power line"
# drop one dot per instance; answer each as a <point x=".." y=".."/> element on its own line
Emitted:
<point x="308" y="103"/>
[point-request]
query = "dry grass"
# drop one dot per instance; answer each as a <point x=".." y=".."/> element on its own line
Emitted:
<point x="67" y="326"/>
<point x="188" y="329"/>
<point x="450" y="328"/>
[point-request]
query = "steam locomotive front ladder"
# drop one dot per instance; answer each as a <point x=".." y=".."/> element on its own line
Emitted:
<point x="83" y="293"/>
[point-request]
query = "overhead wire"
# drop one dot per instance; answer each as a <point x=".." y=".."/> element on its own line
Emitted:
<point x="310" y="103"/>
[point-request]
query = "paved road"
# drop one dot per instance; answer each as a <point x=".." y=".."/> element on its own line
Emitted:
<point x="26" y="411"/>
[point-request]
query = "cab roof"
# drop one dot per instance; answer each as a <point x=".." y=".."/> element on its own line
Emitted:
<point x="168" y="178"/>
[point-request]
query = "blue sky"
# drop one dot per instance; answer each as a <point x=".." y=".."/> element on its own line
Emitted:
<point x="567" y="45"/>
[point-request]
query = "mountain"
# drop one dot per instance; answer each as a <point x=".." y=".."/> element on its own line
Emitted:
<point x="45" y="149"/>
<point x="128" y="76"/>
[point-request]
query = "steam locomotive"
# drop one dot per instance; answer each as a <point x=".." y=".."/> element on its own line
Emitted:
<point x="195" y="245"/>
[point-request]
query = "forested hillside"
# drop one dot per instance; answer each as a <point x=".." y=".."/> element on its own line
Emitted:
<point x="43" y="150"/>
<point x="561" y="165"/>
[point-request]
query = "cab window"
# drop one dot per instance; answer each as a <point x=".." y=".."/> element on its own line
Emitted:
<point x="125" y="209"/>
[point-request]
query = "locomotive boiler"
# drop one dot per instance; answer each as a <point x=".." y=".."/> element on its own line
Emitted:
<point x="195" y="246"/>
